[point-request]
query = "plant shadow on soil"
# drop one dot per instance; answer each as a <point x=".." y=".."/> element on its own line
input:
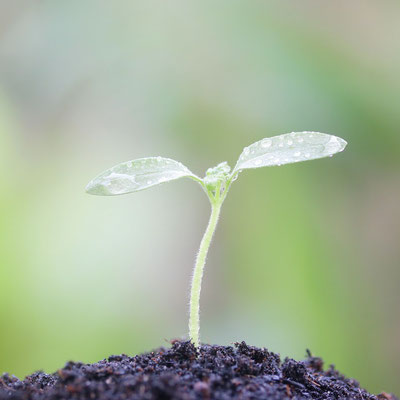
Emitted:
<point x="182" y="372"/>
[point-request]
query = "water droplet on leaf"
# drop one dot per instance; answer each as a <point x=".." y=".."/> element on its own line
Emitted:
<point x="266" y="143"/>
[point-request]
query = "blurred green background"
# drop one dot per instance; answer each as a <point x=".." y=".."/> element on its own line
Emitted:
<point x="306" y="255"/>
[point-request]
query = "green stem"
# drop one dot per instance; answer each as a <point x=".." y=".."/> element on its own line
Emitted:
<point x="194" y="319"/>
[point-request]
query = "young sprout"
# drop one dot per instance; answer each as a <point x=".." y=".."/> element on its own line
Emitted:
<point x="143" y="173"/>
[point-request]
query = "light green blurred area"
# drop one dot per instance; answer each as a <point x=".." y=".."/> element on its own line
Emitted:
<point x="306" y="256"/>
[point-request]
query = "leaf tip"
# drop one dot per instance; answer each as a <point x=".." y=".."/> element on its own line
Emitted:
<point x="96" y="189"/>
<point x="89" y="189"/>
<point x="337" y="143"/>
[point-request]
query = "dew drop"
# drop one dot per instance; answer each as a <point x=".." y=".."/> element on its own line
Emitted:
<point x="246" y="151"/>
<point x="280" y="144"/>
<point x="311" y="135"/>
<point x="307" y="155"/>
<point x="266" y="143"/>
<point x="290" y="142"/>
<point x="297" y="154"/>
<point x="149" y="182"/>
<point x="158" y="158"/>
<point x="300" y="140"/>
<point x="258" y="162"/>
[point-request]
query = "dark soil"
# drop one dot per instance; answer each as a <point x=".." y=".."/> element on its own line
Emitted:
<point x="214" y="372"/>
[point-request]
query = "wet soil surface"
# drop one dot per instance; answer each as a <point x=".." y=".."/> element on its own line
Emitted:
<point x="213" y="372"/>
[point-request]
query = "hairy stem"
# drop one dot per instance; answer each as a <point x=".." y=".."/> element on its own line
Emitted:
<point x="194" y="319"/>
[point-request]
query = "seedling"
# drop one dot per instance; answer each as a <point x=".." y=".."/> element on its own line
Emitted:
<point x="143" y="173"/>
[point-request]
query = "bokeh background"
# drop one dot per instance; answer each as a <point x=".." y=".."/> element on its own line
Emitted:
<point x="306" y="255"/>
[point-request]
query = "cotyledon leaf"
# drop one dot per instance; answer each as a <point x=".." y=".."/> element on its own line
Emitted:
<point x="140" y="174"/>
<point x="289" y="148"/>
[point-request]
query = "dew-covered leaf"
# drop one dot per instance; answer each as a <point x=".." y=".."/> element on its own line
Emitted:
<point x="289" y="148"/>
<point x="132" y="176"/>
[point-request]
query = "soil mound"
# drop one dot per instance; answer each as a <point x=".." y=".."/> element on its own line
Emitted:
<point x="182" y="373"/>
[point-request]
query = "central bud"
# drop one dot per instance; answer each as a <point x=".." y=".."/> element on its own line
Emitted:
<point x="216" y="177"/>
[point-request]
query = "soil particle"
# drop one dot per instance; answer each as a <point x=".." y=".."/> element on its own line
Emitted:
<point x="184" y="373"/>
